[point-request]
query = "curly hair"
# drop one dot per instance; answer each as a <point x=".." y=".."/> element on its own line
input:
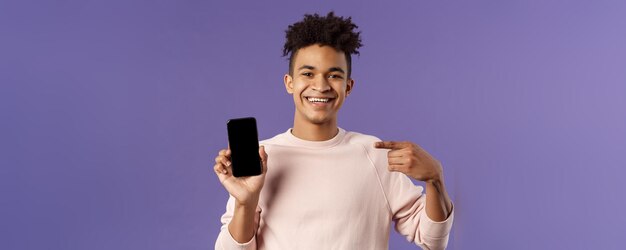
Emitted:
<point x="331" y="30"/>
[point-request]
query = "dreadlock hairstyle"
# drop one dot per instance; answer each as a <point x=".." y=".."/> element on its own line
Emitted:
<point x="329" y="30"/>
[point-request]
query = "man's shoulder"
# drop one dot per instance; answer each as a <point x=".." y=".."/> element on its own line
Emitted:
<point x="360" y="138"/>
<point x="277" y="139"/>
<point x="366" y="143"/>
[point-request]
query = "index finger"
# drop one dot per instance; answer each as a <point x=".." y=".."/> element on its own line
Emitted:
<point x="224" y="152"/>
<point x="391" y="144"/>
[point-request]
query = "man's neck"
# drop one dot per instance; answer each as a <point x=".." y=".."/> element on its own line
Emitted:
<point x="315" y="132"/>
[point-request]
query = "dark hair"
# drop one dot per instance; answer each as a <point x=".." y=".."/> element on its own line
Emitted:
<point x="331" y="30"/>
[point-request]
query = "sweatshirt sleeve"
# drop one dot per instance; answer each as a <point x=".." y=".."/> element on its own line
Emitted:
<point x="225" y="240"/>
<point x="407" y="204"/>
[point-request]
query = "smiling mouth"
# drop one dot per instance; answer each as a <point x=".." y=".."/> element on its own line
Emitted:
<point x="319" y="100"/>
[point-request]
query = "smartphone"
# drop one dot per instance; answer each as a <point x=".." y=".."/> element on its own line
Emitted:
<point x="244" y="147"/>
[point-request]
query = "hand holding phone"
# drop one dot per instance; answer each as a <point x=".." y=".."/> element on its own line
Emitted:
<point x="245" y="189"/>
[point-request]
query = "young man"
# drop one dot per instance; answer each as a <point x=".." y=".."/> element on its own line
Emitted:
<point x="323" y="187"/>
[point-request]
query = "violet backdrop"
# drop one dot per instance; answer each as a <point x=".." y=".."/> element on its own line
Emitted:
<point x="113" y="111"/>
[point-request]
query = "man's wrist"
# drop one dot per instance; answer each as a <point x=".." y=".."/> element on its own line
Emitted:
<point x="249" y="206"/>
<point x="435" y="180"/>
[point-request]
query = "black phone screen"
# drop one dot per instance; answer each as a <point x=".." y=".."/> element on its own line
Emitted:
<point x="244" y="146"/>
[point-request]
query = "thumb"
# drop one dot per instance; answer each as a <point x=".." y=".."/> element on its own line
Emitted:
<point x="263" y="156"/>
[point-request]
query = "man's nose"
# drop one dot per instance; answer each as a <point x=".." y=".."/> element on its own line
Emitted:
<point x="321" y="84"/>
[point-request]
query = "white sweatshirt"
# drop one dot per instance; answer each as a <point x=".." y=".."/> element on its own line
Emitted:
<point x="335" y="194"/>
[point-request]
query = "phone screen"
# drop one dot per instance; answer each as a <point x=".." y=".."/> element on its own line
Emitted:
<point x="244" y="147"/>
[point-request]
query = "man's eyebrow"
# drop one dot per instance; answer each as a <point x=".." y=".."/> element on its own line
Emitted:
<point x="306" y="67"/>
<point x="333" y="69"/>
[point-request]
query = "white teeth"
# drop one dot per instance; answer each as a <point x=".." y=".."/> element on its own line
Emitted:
<point x="313" y="99"/>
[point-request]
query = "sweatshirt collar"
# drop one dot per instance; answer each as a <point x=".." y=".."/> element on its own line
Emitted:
<point x="315" y="144"/>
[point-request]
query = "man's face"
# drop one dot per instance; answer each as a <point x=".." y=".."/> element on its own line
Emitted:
<point x="319" y="84"/>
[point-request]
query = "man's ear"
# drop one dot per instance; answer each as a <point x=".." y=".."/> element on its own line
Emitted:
<point x="349" y="86"/>
<point x="288" y="83"/>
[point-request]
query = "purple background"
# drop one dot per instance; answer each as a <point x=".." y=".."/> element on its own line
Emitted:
<point x="113" y="111"/>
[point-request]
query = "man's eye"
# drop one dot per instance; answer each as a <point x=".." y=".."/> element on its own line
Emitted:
<point x="307" y="74"/>
<point x="335" y="76"/>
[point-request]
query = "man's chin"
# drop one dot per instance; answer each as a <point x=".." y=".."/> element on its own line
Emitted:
<point x="319" y="122"/>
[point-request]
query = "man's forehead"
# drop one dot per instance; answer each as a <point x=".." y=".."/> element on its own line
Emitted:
<point x="320" y="57"/>
<point x="331" y="69"/>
